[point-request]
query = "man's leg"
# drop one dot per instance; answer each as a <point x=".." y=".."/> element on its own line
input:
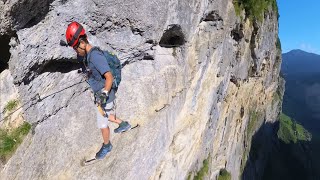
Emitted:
<point x="112" y="118"/>
<point x="102" y="123"/>
<point x="109" y="110"/>
<point x="123" y="125"/>
<point x="105" y="135"/>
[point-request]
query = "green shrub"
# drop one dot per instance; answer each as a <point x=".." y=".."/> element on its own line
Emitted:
<point x="252" y="122"/>
<point x="237" y="7"/>
<point x="203" y="171"/>
<point x="9" y="141"/>
<point x="290" y="131"/>
<point x="276" y="97"/>
<point x="278" y="44"/>
<point x="11" y="105"/>
<point x="302" y="133"/>
<point x="255" y="9"/>
<point x="224" y="175"/>
<point x="189" y="176"/>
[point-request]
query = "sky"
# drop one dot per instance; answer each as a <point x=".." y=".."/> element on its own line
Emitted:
<point x="299" y="25"/>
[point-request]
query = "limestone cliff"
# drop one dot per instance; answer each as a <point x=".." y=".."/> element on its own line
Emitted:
<point x="199" y="78"/>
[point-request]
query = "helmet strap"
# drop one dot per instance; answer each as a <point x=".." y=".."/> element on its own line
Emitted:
<point x="76" y="35"/>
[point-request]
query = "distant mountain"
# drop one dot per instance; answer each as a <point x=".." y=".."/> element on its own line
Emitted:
<point x="301" y="101"/>
<point x="298" y="61"/>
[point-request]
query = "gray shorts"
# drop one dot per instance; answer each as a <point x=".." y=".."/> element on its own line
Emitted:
<point x="102" y="122"/>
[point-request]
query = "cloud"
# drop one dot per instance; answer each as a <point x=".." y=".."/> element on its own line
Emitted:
<point x="308" y="48"/>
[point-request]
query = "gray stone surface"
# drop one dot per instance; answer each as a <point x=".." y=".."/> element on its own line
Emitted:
<point x="17" y="14"/>
<point x="7" y="89"/>
<point x="187" y="99"/>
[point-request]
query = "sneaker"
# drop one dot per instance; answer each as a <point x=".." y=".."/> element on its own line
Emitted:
<point x="123" y="126"/>
<point x="105" y="149"/>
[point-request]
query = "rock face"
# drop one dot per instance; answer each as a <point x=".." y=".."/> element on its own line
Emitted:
<point x="9" y="117"/>
<point x="7" y="88"/>
<point x="198" y="79"/>
<point x="17" y="14"/>
<point x="9" y="93"/>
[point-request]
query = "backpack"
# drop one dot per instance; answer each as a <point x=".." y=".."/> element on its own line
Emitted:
<point x="115" y="66"/>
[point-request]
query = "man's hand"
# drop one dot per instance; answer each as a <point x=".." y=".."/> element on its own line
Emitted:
<point x="104" y="96"/>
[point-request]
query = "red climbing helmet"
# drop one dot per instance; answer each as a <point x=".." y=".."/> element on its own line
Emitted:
<point x="74" y="31"/>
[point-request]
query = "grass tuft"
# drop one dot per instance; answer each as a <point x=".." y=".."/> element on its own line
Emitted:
<point x="203" y="171"/>
<point x="9" y="141"/>
<point x="292" y="132"/>
<point x="11" y="105"/>
<point x="224" y="175"/>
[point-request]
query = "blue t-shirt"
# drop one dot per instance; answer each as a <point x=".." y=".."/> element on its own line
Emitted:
<point x="98" y="66"/>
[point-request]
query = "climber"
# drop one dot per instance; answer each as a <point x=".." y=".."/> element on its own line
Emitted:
<point x="100" y="80"/>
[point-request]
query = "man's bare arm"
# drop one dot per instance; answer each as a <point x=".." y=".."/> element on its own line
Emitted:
<point x="109" y="81"/>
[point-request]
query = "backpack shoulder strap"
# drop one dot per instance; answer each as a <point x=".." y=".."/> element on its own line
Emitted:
<point x="95" y="48"/>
